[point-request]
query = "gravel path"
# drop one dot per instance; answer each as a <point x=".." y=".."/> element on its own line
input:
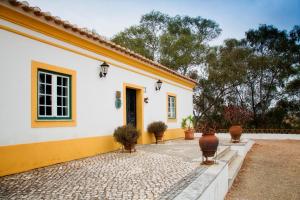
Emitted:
<point x="271" y="170"/>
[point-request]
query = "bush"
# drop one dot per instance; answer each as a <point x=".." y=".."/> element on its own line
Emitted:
<point x="157" y="127"/>
<point x="208" y="128"/>
<point x="126" y="135"/>
<point x="237" y="115"/>
<point x="188" y="122"/>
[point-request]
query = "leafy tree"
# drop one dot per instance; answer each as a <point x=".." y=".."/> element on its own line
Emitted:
<point x="184" y="44"/>
<point x="286" y="114"/>
<point x="226" y="71"/>
<point x="273" y="62"/>
<point x="178" y="42"/>
<point x="254" y="73"/>
<point x="138" y="39"/>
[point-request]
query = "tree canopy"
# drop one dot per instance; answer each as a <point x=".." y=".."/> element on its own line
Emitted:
<point x="178" y="42"/>
<point x="259" y="73"/>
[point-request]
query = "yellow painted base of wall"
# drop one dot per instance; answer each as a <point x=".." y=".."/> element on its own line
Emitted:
<point x="170" y="134"/>
<point x="24" y="157"/>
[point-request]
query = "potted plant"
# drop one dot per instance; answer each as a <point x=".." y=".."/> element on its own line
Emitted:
<point x="157" y="128"/>
<point x="188" y="125"/>
<point x="127" y="136"/>
<point x="236" y="116"/>
<point x="208" y="143"/>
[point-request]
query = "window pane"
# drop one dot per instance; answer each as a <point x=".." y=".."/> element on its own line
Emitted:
<point x="59" y="101"/>
<point x="65" y="110"/>
<point x="48" y="111"/>
<point x="42" y="100"/>
<point x="59" y="80"/>
<point x="59" y="90"/>
<point x="42" y="88"/>
<point x="41" y="110"/>
<point x="48" y="89"/>
<point x="65" y="83"/>
<point x="65" y="91"/>
<point x="48" y="100"/>
<point x="59" y="111"/>
<point x="41" y="78"/>
<point x="48" y="78"/>
<point x="65" y="101"/>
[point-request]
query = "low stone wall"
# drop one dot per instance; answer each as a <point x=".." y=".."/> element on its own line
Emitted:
<point x="213" y="183"/>
<point x="264" y="136"/>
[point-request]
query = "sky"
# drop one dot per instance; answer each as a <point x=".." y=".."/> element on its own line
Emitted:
<point x="234" y="17"/>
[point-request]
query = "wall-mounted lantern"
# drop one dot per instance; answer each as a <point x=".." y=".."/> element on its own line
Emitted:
<point x="103" y="69"/>
<point x="158" y="85"/>
<point x="146" y="100"/>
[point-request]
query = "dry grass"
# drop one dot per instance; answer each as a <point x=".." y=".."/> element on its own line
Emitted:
<point x="271" y="170"/>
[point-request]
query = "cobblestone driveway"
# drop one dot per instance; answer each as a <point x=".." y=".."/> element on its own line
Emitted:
<point x="149" y="173"/>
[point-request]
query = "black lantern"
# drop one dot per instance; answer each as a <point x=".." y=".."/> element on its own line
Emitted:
<point x="103" y="70"/>
<point x="158" y="85"/>
<point x="146" y="100"/>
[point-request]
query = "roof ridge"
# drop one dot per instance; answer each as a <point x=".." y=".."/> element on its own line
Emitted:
<point x="90" y="34"/>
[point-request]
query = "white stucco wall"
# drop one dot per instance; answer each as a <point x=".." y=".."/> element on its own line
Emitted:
<point x="96" y="112"/>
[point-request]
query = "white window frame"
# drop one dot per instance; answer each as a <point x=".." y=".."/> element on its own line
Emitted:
<point x="172" y="107"/>
<point x="54" y="95"/>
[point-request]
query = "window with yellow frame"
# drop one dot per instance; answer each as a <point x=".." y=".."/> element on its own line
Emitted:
<point x="172" y="106"/>
<point x="53" y="96"/>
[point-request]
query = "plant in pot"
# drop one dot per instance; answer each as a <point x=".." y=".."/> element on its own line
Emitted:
<point x="127" y="136"/>
<point x="188" y="125"/>
<point x="157" y="128"/>
<point x="208" y="142"/>
<point x="236" y="116"/>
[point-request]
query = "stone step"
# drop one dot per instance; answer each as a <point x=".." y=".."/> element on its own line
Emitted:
<point x="234" y="168"/>
<point x="229" y="156"/>
<point x="222" y="150"/>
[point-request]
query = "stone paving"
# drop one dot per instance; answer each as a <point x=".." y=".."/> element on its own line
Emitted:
<point x="153" y="172"/>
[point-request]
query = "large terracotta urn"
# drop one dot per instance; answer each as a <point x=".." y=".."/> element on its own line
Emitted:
<point x="235" y="132"/>
<point x="208" y="145"/>
<point x="189" y="134"/>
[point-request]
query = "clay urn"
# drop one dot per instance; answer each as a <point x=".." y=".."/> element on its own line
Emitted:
<point x="208" y="144"/>
<point x="235" y="132"/>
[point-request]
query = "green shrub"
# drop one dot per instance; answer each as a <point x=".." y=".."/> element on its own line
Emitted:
<point x="157" y="127"/>
<point x="188" y="122"/>
<point x="126" y="135"/>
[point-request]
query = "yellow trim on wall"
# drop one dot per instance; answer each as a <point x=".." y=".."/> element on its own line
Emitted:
<point x="139" y="108"/>
<point x="96" y="47"/>
<point x="24" y="157"/>
<point x="176" y="108"/>
<point x="35" y="123"/>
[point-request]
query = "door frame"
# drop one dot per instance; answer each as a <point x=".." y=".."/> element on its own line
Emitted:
<point x="139" y="108"/>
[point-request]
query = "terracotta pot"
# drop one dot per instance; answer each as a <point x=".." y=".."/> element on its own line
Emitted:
<point x="235" y="132"/>
<point x="129" y="147"/>
<point x="189" y="134"/>
<point x="158" y="136"/>
<point x="208" y="144"/>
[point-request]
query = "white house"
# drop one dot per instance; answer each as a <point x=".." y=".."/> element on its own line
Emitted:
<point x="54" y="105"/>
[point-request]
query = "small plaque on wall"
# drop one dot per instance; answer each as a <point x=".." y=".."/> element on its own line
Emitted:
<point x="118" y="101"/>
